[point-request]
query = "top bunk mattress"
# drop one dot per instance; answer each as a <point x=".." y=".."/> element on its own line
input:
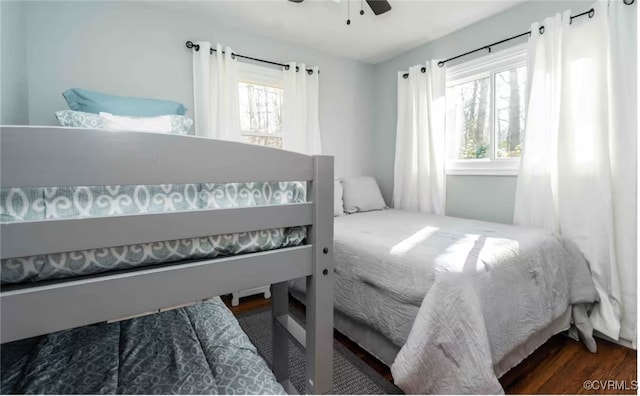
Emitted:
<point x="25" y="204"/>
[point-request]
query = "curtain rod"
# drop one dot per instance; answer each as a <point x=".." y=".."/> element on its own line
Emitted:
<point x="487" y="47"/>
<point x="196" y="47"/>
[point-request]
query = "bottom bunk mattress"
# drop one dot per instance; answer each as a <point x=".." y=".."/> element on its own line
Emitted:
<point x="199" y="349"/>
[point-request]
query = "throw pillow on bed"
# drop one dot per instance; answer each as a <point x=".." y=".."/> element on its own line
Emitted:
<point x="361" y="194"/>
<point x="79" y="119"/>
<point x="160" y="124"/>
<point x="181" y="125"/>
<point x="164" y="124"/>
<point x="338" y="206"/>
<point x="96" y="102"/>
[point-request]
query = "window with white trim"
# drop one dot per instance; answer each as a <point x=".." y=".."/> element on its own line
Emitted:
<point x="486" y="114"/>
<point x="260" y="96"/>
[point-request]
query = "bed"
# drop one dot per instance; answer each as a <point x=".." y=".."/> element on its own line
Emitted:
<point x="199" y="349"/>
<point x="451" y="304"/>
<point x="99" y="228"/>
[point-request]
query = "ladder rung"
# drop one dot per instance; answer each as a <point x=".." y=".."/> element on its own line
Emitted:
<point x="297" y="332"/>
<point x="289" y="388"/>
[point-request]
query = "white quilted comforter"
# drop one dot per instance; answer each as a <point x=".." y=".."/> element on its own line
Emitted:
<point x="458" y="294"/>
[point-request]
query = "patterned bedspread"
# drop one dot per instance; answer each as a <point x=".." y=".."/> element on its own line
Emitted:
<point x="18" y="204"/>
<point x="458" y="295"/>
<point x="194" y="350"/>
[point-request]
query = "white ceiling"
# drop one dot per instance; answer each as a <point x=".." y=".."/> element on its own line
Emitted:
<point x="321" y="24"/>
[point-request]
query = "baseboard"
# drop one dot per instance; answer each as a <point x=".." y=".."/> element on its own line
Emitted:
<point x="620" y="341"/>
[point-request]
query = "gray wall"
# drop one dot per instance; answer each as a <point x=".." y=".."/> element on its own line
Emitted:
<point x="480" y="197"/>
<point x="489" y="198"/>
<point x="138" y="49"/>
<point x="13" y="61"/>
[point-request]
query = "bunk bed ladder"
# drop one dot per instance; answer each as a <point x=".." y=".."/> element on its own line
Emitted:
<point x="318" y="338"/>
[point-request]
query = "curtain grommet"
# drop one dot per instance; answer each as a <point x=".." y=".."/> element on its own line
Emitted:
<point x="541" y="29"/>
<point x="592" y="12"/>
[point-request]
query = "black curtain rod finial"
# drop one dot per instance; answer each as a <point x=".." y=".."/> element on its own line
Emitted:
<point x="190" y="45"/>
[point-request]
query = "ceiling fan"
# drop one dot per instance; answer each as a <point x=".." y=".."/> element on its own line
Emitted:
<point x="377" y="6"/>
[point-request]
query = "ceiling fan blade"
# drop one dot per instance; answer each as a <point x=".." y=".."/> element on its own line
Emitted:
<point x="379" y="6"/>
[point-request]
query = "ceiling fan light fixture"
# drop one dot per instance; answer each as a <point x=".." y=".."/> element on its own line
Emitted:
<point x="379" y="6"/>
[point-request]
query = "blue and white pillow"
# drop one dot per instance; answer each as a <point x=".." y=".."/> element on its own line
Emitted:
<point x="94" y="102"/>
<point x="180" y="125"/>
<point x="78" y="119"/>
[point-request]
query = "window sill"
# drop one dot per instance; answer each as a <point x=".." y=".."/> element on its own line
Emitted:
<point x="482" y="172"/>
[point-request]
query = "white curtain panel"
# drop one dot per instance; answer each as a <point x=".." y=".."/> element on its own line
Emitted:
<point x="577" y="174"/>
<point x="215" y="89"/>
<point x="420" y="140"/>
<point x="300" y="121"/>
<point x="623" y="126"/>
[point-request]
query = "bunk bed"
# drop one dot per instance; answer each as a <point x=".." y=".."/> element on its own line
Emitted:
<point x="42" y="294"/>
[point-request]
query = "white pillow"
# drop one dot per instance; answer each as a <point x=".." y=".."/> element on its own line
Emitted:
<point x="136" y="124"/>
<point x="338" y="207"/>
<point x="361" y="194"/>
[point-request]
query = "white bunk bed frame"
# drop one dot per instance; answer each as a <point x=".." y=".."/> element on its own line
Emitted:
<point x="56" y="156"/>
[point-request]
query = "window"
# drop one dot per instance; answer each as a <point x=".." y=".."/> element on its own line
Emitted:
<point x="260" y="104"/>
<point x="486" y="113"/>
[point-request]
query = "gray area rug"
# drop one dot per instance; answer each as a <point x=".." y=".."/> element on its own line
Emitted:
<point x="351" y="376"/>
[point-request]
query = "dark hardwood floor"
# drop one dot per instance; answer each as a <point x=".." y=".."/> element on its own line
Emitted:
<point x="560" y="366"/>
